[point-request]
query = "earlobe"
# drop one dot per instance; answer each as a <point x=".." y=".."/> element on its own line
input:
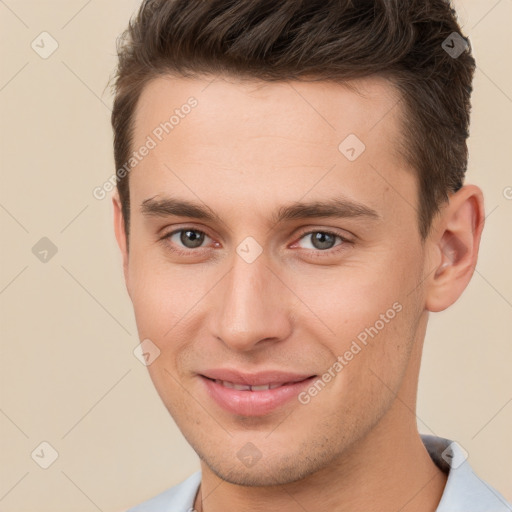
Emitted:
<point x="120" y="234"/>
<point x="456" y="242"/>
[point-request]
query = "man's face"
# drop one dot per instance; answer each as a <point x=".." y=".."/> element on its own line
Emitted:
<point x="321" y="287"/>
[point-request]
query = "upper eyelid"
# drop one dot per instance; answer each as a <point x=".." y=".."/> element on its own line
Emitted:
<point x="317" y="230"/>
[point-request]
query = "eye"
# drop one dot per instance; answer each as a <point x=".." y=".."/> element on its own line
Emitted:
<point x="322" y="241"/>
<point x="188" y="238"/>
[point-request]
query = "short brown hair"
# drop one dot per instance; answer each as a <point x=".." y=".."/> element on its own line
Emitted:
<point x="332" y="40"/>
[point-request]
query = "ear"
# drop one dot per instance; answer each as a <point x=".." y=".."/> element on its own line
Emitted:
<point x="121" y="234"/>
<point x="456" y="240"/>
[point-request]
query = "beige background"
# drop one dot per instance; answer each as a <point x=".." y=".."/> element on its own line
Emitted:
<point x="68" y="373"/>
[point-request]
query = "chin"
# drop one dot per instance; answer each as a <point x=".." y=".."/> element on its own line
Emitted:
<point x="267" y="473"/>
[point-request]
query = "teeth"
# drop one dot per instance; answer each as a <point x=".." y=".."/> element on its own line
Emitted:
<point x="243" y="387"/>
<point x="240" y="387"/>
<point x="260" y="388"/>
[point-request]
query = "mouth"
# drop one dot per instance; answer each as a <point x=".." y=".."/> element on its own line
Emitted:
<point x="254" y="400"/>
<point x="262" y="387"/>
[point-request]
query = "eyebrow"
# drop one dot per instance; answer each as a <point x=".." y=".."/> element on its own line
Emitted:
<point x="332" y="208"/>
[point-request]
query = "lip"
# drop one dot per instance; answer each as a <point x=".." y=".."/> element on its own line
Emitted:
<point x="255" y="403"/>
<point x="254" y="379"/>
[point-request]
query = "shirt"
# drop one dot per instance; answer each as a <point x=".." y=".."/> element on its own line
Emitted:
<point x="464" y="490"/>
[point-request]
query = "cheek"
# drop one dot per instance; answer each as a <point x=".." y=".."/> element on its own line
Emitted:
<point x="371" y="320"/>
<point x="162" y="295"/>
<point x="349" y="299"/>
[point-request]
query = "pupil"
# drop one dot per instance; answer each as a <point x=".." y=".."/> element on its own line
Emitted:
<point x="191" y="238"/>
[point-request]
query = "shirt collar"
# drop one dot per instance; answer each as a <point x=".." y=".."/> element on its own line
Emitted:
<point x="464" y="490"/>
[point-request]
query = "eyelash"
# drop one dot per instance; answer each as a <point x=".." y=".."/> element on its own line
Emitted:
<point x="315" y="253"/>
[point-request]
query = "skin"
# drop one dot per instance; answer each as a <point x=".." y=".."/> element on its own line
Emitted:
<point x="244" y="151"/>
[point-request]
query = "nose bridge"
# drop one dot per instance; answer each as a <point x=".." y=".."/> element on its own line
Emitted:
<point x="254" y="305"/>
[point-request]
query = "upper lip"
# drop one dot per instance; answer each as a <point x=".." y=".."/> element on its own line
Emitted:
<point x="254" y="379"/>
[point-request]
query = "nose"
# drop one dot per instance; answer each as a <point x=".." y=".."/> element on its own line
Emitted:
<point x="255" y="306"/>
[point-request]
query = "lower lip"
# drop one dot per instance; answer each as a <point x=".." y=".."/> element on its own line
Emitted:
<point x="253" y="403"/>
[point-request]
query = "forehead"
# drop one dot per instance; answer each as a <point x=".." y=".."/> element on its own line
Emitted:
<point x="275" y="140"/>
<point x="324" y="109"/>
